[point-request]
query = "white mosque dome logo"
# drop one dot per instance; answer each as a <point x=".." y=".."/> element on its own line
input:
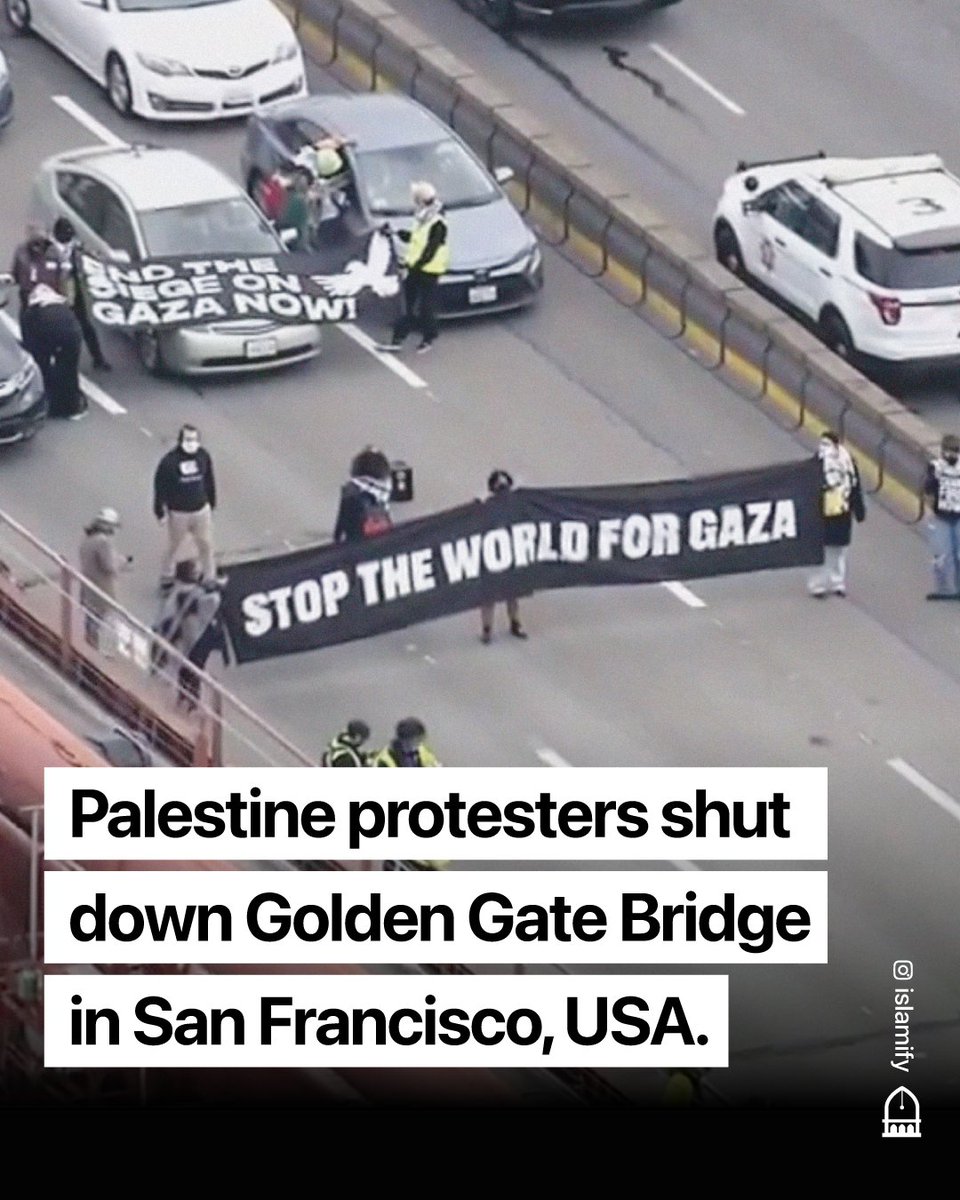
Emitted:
<point x="901" y="1114"/>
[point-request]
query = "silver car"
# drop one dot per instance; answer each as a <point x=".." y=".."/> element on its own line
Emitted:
<point x="135" y="203"/>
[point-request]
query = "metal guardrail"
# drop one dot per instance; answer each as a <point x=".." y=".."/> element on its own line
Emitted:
<point x="616" y="237"/>
<point x="112" y="656"/>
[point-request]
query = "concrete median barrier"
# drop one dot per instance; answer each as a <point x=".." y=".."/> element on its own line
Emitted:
<point x="631" y="248"/>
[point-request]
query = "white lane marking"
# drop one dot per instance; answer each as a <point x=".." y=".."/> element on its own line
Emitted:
<point x="697" y="79"/>
<point x="683" y="593"/>
<point x="90" y="389"/>
<point x="950" y="806"/>
<point x="73" y="109"/>
<point x="551" y="758"/>
<point x="430" y="659"/>
<point x="389" y="361"/>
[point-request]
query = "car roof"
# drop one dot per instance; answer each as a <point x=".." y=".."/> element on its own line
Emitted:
<point x="913" y="200"/>
<point x="152" y="176"/>
<point x="375" y="122"/>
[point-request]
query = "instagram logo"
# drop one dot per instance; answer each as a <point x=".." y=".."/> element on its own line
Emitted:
<point x="903" y="969"/>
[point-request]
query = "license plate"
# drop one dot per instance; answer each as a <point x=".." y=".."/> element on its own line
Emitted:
<point x="261" y="348"/>
<point x="485" y="294"/>
<point x="238" y="99"/>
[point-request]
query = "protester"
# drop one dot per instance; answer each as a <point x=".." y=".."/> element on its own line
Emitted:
<point x="344" y="750"/>
<point x="408" y="748"/>
<point x="185" y="494"/>
<point x="365" y="498"/>
<point x="73" y="286"/>
<point x="100" y="564"/>
<point x="51" y="334"/>
<point x="841" y="498"/>
<point x="35" y="261"/>
<point x="499" y="482"/>
<point x="295" y="210"/>
<point x="426" y="259"/>
<point x="190" y="621"/>
<point x="942" y="486"/>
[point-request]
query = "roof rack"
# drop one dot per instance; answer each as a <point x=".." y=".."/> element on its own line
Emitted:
<point x="774" y="162"/>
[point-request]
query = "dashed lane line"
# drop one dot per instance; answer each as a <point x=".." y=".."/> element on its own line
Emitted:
<point x="691" y="74"/>
<point x="90" y="123"/>
<point x="941" y="798"/>
<point x="683" y="593"/>
<point x="91" y="390"/>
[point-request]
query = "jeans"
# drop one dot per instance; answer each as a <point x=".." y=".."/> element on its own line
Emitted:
<point x="832" y="575"/>
<point x="945" y="546"/>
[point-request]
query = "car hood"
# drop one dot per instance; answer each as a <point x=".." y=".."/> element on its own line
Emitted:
<point x="484" y="236"/>
<point x="12" y="356"/>
<point x="211" y="37"/>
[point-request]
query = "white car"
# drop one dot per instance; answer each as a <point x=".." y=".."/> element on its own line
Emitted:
<point x="867" y="249"/>
<point x="173" y="60"/>
<point x="130" y="204"/>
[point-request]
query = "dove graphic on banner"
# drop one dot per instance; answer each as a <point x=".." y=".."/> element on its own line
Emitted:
<point x="375" y="273"/>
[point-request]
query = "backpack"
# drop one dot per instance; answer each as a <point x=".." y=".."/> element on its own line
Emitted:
<point x="376" y="519"/>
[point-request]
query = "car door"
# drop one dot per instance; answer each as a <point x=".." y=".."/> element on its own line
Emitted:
<point x="817" y="274"/>
<point x="85" y="33"/>
<point x="783" y="252"/>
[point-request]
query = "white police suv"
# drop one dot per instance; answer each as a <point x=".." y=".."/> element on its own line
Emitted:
<point x="867" y="249"/>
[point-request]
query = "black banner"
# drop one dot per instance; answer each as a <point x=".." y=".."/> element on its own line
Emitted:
<point x="525" y="541"/>
<point x="173" y="293"/>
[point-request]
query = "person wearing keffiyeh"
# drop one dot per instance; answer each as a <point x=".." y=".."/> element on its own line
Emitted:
<point x="841" y="499"/>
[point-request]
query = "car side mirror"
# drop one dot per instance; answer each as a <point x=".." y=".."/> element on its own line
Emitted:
<point x="288" y="236"/>
<point x="120" y="256"/>
<point x="503" y="174"/>
<point x="6" y="287"/>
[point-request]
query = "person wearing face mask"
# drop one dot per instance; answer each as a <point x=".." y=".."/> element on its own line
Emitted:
<point x="408" y="748"/>
<point x="427" y="257"/>
<point x="841" y="498"/>
<point x="35" y="261"/>
<point x="498" y="483"/>
<point x="185" y="495"/>
<point x="942" y="487"/>
<point x="72" y="284"/>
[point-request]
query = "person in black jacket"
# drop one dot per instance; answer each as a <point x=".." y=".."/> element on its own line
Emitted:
<point x="50" y="332"/>
<point x="365" y="498"/>
<point x="72" y="284"/>
<point x="185" y="494"/>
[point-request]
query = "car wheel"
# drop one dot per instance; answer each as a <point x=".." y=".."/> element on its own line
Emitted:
<point x="18" y="14"/>
<point x="834" y="331"/>
<point x="498" y="14"/>
<point x="118" y="85"/>
<point x="149" y="352"/>
<point x="728" y="249"/>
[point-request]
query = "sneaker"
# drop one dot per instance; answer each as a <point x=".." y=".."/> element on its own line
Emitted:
<point x="819" y="594"/>
<point x="841" y="592"/>
<point x="388" y="347"/>
<point x="517" y="631"/>
<point x="78" y="416"/>
<point x="424" y="347"/>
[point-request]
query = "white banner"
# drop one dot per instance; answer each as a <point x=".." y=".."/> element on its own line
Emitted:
<point x="385" y="1021"/>
<point x="281" y="917"/>
<point x="466" y="813"/>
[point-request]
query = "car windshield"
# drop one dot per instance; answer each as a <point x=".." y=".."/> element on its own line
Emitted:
<point x="159" y="5"/>
<point x="936" y="267"/>
<point x="219" y="227"/>
<point x="388" y="174"/>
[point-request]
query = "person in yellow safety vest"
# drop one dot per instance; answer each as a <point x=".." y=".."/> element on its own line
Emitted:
<point x="427" y="258"/>
<point x="344" y="750"/>
<point x="408" y="747"/>
<point x="683" y="1089"/>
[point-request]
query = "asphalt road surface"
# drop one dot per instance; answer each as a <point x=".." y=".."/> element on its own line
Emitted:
<point x="672" y="100"/>
<point x="737" y="671"/>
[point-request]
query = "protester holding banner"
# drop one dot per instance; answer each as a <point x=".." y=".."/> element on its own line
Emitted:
<point x="408" y="748"/>
<point x="365" y="498"/>
<point x="185" y="494"/>
<point x="841" y="501"/>
<point x="72" y="284"/>
<point x="499" y="482"/>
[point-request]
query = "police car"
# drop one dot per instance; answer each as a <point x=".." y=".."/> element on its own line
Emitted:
<point x="867" y="249"/>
